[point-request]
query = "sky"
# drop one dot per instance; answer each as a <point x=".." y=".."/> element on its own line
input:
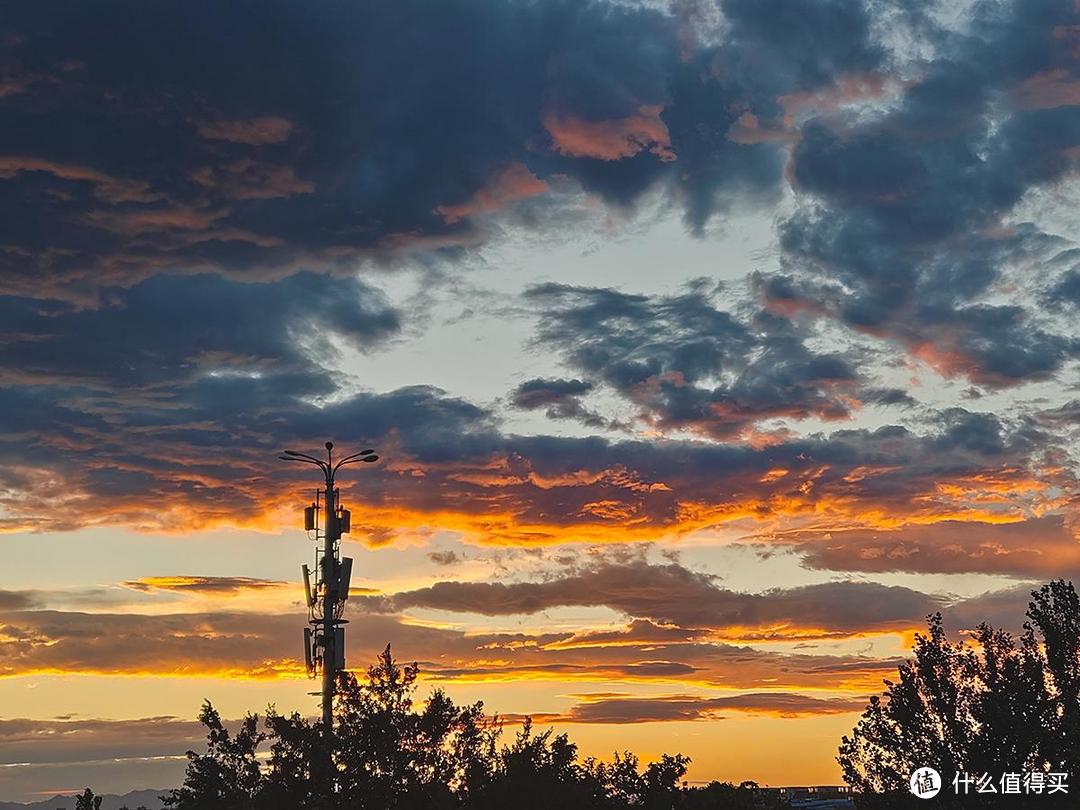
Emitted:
<point x="708" y="347"/>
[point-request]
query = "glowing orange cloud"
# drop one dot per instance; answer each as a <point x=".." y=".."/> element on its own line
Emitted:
<point x="619" y="709"/>
<point x="513" y="183"/>
<point x="204" y="585"/>
<point x="264" y="646"/>
<point x="508" y="500"/>
<point x="611" y="139"/>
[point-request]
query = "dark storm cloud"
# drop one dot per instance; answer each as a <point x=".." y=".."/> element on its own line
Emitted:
<point x="247" y="146"/>
<point x="169" y="331"/>
<point x="770" y="49"/>
<point x="686" y="363"/>
<point x="165" y="137"/>
<point x="561" y="399"/>
<point x="180" y="183"/>
<point x="542" y="393"/>
<point x="673" y="595"/>
<point x="901" y="233"/>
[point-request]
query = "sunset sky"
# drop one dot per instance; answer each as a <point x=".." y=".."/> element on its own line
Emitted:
<point x="707" y="347"/>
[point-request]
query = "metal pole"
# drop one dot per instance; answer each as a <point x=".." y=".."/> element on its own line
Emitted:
<point x="330" y="577"/>
<point x="332" y="591"/>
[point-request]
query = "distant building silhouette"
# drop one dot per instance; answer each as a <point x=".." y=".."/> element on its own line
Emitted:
<point x="813" y="796"/>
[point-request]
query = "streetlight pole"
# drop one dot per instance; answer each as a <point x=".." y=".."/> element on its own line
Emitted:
<point x="324" y="641"/>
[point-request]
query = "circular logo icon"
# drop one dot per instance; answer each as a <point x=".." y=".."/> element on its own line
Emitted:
<point x="925" y="783"/>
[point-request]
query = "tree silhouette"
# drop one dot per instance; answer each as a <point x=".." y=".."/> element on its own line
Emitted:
<point x="388" y="753"/>
<point x="1004" y="705"/>
<point x="227" y="776"/>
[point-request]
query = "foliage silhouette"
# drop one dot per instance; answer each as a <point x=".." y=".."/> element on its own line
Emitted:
<point x="1002" y="705"/>
<point x="388" y="753"/>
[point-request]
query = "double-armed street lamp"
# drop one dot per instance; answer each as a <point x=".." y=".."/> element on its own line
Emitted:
<point x="324" y="641"/>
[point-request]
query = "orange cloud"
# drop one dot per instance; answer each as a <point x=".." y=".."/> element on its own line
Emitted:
<point x="847" y="90"/>
<point x="159" y="219"/>
<point x="261" y="646"/>
<point x="513" y="183"/>
<point x="509" y="499"/>
<point x="1039" y="547"/>
<point x="611" y="139"/>
<point x="619" y="710"/>
<point x="108" y="188"/>
<point x="1052" y="88"/>
<point x="203" y="585"/>
<point x="748" y="129"/>
<point x="252" y="131"/>
<point x="248" y="179"/>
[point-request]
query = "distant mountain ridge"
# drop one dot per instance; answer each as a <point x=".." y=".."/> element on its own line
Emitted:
<point x="147" y="798"/>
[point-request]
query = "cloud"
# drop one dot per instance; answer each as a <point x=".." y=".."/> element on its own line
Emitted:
<point x="561" y="399"/>
<point x="1040" y="547"/>
<point x="682" y="708"/>
<point x="132" y="338"/>
<point x="131" y="445"/>
<point x="251" y="179"/>
<point x="172" y="191"/>
<point x="268" y="646"/>
<point x="40" y="741"/>
<point x="1049" y="89"/>
<point x="612" y="99"/>
<point x="671" y="595"/>
<point x="18" y="600"/>
<point x="688" y="364"/>
<point x="611" y="139"/>
<point x="338" y="168"/>
<point x="202" y="584"/>
<point x="514" y="182"/>
<point x="252" y="131"/>
<point x="902" y="229"/>
<point x="444" y="557"/>
<point x="106" y="187"/>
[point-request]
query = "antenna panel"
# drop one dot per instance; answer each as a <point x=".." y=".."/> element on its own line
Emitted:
<point x="339" y="648"/>
<point x="307" y="652"/>
<point x="345" y="578"/>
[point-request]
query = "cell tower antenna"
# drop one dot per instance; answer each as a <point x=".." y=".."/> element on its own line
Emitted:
<point x="324" y="641"/>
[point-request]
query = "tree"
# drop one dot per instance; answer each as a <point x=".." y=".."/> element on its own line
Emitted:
<point x="745" y="796"/>
<point x="227" y="776"/>
<point x="395" y="757"/>
<point x="390" y="753"/>
<point x="539" y="771"/>
<point x="299" y="773"/>
<point x="1002" y="705"/>
<point x="88" y="801"/>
